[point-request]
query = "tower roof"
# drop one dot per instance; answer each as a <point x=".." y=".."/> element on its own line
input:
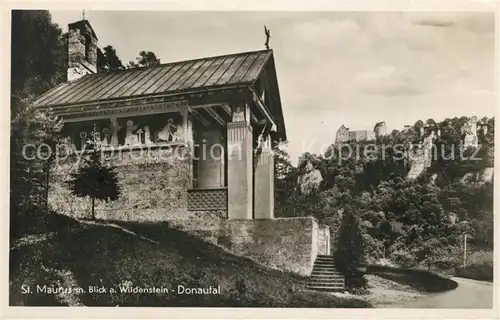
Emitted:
<point x="82" y="25"/>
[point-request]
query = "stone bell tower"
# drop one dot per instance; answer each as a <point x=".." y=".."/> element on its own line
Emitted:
<point x="82" y="50"/>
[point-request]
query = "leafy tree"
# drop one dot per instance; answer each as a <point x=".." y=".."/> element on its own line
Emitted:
<point x="145" y="59"/>
<point x="39" y="56"/>
<point x="108" y="60"/>
<point x="284" y="171"/>
<point x="34" y="136"/>
<point x="38" y="63"/>
<point x="437" y="252"/>
<point x="419" y="124"/>
<point x="431" y="123"/>
<point x="94" y="179"/>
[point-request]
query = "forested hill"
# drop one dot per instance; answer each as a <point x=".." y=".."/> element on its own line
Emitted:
<point x="408" y="221"/>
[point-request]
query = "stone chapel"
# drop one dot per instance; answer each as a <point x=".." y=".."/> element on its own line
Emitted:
<point x="191" y="142"/>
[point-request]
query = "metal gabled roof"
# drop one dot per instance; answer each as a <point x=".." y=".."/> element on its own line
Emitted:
<point x="175" y="77"/>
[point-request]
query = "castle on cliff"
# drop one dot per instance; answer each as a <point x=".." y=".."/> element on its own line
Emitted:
<point x="421" y="155"/>
<point x="344" y="134"/>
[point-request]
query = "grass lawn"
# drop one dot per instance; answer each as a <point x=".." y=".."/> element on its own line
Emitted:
<point x="418" y="279"/>
<point x="109" y="257"/>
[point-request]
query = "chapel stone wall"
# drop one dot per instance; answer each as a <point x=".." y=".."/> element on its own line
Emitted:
<point x="153" y="182"/>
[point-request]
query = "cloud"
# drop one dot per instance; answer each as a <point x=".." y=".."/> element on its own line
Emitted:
<point x="386" y="81"/>
<point x="430" y="22"/>
<point x="326" y="32"/>
<point x="477" y="22"/>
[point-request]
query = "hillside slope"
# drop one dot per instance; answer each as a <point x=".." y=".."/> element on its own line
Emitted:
<point x="149" y="256"/>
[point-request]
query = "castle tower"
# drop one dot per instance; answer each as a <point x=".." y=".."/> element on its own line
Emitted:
<point x="380" y="129"/>
<point x="82" y="50"/>
<point x="342" y="134"/>
<point x="470" y="130"/>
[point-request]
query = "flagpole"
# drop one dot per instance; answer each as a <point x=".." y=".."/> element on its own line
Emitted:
<point x="465" y="248"/>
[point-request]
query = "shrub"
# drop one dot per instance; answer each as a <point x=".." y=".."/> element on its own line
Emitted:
<point x="95" y="179"/>
<point x="480" y="267"/>
<point x="404" y="259"/>
<point x="350" y="251"/>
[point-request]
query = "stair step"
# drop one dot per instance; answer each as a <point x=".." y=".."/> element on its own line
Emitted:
<point x="325" y="277"/>
<point x="324" y="262"/>
<point x="329" y="273"/>
<point x="326" y="273"/>
<point x="326" y="283"/>
<point x="326" y="280"/>
<point x="331" y="269"/>
<point x="327" y="289"/>
<point x="325" y="286"/>
<point x="324" y="266"/>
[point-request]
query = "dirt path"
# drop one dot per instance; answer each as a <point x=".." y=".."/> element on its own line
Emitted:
<point x="470" y="294"/>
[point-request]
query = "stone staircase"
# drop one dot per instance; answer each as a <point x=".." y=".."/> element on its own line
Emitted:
<point x="324" y="276"/>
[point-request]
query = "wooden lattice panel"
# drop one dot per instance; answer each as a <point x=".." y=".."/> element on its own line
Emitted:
<point x="207" y="199"/>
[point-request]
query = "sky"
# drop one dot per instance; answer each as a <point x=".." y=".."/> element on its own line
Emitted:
<point x="334" y="68"/>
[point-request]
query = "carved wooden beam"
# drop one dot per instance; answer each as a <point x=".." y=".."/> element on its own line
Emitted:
<point x="89" y="113"/>
<point x="227" y="109"/>
<point x="253" y="117"/>
<point x="200" y="117"/>
<point x="216" y="116"/>
<point x="262" y="107"/>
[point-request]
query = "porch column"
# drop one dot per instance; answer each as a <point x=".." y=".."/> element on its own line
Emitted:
<point x="264" y="182"/>
<point x="239" y="165"/>
<point x="187" y="136"/>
